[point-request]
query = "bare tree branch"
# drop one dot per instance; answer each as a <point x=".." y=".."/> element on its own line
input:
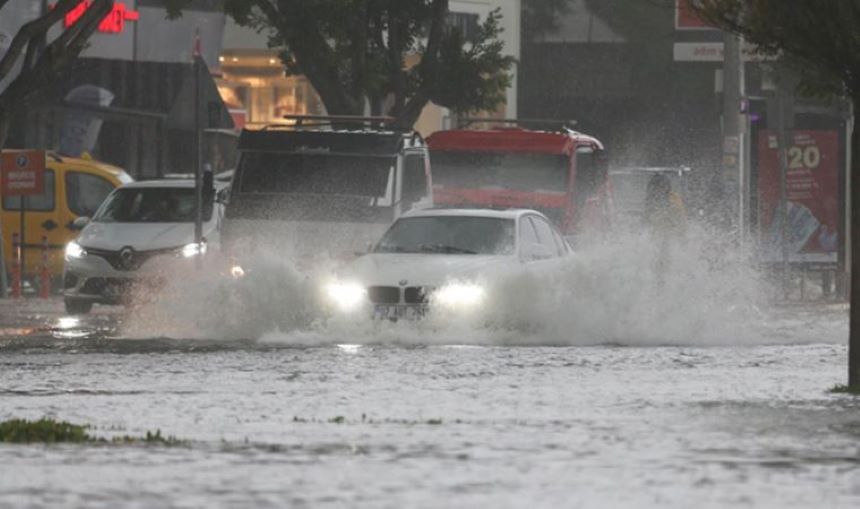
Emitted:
<point x="56" y="55"/>
<point x="32" y="30"/>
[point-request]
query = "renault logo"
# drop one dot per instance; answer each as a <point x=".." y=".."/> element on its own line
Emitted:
<point x="126" y="257"/>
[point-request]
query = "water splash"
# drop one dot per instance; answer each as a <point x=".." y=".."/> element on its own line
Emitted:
<point x="629" y="289"/>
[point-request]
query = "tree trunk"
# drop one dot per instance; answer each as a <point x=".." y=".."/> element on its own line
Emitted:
<point x="854" y="320"/>
<point x="5" y="123"/>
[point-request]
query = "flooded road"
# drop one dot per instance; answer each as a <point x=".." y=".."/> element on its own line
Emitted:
<point x="278" y="422"/>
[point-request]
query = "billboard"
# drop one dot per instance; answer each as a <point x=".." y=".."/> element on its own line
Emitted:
<point x="812" y="196"/>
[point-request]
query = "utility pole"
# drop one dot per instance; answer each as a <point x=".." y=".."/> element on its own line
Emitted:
<point x="197" y="56"/>
<point x="734" y="131"/>
<point x="784" y="122"/>
<point x="854" y="221"/>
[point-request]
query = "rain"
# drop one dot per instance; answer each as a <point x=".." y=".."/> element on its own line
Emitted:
<point x="484" y="253"/>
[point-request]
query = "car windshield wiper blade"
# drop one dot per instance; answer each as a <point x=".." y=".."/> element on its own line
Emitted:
<point x="442" y="248"/>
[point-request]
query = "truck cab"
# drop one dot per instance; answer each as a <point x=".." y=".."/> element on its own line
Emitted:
<point x="323" y="186"/>
<point x="560" y="173"/>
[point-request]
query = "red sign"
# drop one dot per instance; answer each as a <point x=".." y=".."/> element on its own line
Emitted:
<point x="686" y="19"/>
<point x="812" y="196"/>
<point x="23" y="172"/>
<point x="113" y="23"/>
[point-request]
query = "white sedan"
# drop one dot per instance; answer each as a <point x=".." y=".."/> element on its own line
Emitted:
<point x="445" y="260"/>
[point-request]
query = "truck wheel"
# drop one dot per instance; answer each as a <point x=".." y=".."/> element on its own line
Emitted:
<point x="77" y="307"/>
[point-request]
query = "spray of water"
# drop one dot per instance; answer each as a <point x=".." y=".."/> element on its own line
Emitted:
<point x="631" y="289"/>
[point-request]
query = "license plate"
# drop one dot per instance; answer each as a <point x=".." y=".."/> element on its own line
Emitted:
<point x="399" y="312"/>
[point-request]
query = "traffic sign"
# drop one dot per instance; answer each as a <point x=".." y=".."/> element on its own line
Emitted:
<point x="22" y="172"/>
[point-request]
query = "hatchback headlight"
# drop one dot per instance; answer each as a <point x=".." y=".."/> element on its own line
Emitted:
<point x="74" y="251"/>
<point x="459" y="295"/>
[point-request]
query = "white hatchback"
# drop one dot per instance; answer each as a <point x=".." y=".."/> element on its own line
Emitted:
<point x="442" y="258"/>
<point x="139" y="233"/>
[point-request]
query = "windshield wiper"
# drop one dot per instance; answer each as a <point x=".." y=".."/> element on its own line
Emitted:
<point x="442" y="248"/>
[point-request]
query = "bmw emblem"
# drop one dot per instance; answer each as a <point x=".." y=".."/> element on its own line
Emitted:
<point x="22" y="160"/>
<point x="403" y="282"/>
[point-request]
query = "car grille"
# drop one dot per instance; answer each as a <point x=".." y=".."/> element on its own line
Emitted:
<point x="392" y="295"/>
<point x="127" y="258"/>
<point x="416" y="295"/>
<point x="384" y="294"/>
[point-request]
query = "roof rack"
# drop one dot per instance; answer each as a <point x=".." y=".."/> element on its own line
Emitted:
<point x="328" y="120"/>
<point x="561" y="123"/>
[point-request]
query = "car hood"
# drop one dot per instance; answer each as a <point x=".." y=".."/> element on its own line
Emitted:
<point x="421" y="269"/>
<point x="140" y="236"/>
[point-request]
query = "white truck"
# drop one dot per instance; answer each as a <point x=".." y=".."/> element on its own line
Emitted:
<point x="323" y="186"/>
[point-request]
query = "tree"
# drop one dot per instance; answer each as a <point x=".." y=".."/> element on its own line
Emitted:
<point x="33" y="62"/>
<point x="395" y="55"/>
<point x="823" y="38"/>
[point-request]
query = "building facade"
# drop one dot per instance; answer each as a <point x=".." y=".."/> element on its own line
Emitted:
<point x="127" y="99"/>
<point x="253" y="84"/>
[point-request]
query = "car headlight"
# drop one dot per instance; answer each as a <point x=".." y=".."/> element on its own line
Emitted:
<point x="194" y="249"/>
<point x="459" y="295"/>
<point x="346" y="296"/>
<point x="74" y="251"/>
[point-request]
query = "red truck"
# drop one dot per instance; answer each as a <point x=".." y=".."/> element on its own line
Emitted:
<point x="560" y="173"/>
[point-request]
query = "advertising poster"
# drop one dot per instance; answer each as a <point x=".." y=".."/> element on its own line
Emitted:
<point x="812" y="197"/>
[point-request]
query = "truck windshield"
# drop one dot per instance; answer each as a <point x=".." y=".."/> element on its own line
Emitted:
<point x="151" y="205"/>
<point x="449" y="235"/>
<point x="325" y="173"/>
<point x="511" y="171"/>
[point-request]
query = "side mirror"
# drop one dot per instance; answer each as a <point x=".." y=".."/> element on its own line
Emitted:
<point x="80" y="223"/>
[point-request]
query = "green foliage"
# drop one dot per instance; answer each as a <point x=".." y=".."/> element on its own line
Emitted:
<point x="822" y="42"/>
<point x="468" y="79"/>
<point x="845" y="389"/>
<point x="44" y="430"/>
<point x="398" y="55"/>
<point x="149" y="439"/>
<point x="50" y="431"/>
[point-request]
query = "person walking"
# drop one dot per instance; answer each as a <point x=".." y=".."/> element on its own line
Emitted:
<point x="664" y="218"/>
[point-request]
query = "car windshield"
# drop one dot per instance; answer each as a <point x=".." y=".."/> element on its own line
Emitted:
<point x="151" y="205"/>
<point x="449" y="235"/>
<point x="512" y="171"/>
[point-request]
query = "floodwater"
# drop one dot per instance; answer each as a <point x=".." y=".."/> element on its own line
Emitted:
<point x="690" y="413"/>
